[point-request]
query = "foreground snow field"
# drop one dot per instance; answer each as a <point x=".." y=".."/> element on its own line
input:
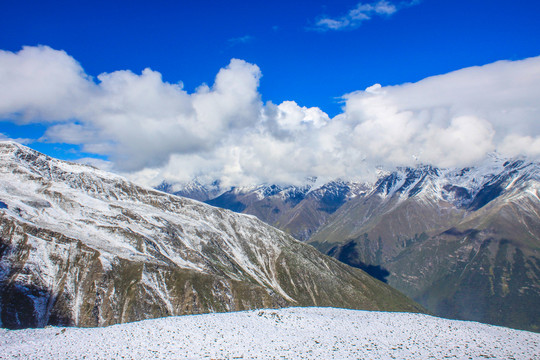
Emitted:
<point x="292" y="333"/>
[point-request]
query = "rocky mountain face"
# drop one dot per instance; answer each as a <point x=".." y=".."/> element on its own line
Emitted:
<point x="79" y="246"/>
<point x="465" y="243"/>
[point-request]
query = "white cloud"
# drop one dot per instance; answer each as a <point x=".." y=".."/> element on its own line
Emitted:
<point x="38" y="82"/>
<point x="153" y="130"/>
<point x="452" y="119"/>
<point x="466" y="140"/>
<point x="138" y="120"/>
<point x="4" y="137"/>
<point x="521" y="144"/>
<point x="362" y="12"/>
<point x="98" y="163"/>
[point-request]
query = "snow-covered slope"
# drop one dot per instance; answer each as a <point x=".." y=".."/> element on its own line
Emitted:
<point x="80" y="246"/>
<point x="293" y="333"/>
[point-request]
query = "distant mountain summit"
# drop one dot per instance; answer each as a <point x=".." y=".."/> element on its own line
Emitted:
<point x="299" y="210"/>
<point x="193" y="190"/>
<point x="80" y="246"/>
<point x="465" y="243"/>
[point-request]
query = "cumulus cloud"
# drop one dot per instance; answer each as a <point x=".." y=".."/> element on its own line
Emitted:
<point x="137" y="120"/>
<point x="152" y="130"/>
<point x="362" y="12"/>
<point x="452" y="119"/>
<point x="38" y="82"/>
<point x="524" y="145"/>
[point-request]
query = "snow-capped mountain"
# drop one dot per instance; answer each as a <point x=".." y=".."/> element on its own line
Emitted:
<point x="471" y="187"/>
<point x="80" y="246"/>
<point x="194" y="190"/>
<point x="293" y="333"/>
<point x="464" y="243"/>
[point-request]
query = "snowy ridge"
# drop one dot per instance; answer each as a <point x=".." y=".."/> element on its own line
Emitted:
<point x="292" y="333"/>
<point x="110" y="211"/>
<point x="457" y="186"/>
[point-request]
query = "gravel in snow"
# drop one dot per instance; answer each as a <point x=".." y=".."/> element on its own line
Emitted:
<point x="292" y="333"/>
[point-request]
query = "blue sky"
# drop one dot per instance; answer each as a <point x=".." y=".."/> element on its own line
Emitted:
<point x="301" y="58"/>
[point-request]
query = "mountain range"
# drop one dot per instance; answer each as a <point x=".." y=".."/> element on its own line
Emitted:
<point x="298" y="210"/>
<point x="80" y="246"/>
<point x="464" y="243"/>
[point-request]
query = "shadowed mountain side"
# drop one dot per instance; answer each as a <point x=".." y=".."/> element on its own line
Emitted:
<point x="348" y="254"/>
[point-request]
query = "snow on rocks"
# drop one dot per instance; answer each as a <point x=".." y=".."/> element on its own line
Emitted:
<point x="292" y="333"/>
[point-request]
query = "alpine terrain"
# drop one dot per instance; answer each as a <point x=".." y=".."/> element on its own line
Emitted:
<point x="80" y="246"/>
<point x="465" y="243"/>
